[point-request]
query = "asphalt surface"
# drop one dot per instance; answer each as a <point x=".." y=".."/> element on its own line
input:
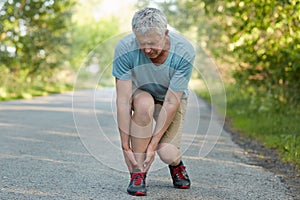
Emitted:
<point x="67" y="147"/>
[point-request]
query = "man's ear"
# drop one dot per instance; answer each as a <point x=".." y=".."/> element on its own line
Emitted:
<point x="167" y="32"/>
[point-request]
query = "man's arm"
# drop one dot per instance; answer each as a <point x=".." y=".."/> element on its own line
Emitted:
<point x="165" y="117"/>
<point x="124" y="91"/>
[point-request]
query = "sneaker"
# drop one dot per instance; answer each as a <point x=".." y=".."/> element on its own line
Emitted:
<point x="137" y="185"/>
<point x="180" y="177"/>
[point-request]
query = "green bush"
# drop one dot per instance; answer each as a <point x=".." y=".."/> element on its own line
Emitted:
<point x="276" y="127"/>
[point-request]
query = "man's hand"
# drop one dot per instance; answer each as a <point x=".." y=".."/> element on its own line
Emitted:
<point x="150" y="155"/>
<point x="130" y="159"/>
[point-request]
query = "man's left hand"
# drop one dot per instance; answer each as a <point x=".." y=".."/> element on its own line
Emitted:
<point x="150" y="155"/>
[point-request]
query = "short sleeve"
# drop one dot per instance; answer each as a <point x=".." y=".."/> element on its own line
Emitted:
<point x="122" y="62"/>
<point x="180" y="80"/>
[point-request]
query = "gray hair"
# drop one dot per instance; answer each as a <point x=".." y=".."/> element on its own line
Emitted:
<point x="148" y="19"/>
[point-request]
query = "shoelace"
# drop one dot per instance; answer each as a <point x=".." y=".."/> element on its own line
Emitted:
<point x="180" y="172"/>
<point x="138" y="177"/>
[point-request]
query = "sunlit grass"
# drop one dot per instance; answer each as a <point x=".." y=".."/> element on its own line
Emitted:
<point x="275" y="127"/>
<point x="33" y="91"/>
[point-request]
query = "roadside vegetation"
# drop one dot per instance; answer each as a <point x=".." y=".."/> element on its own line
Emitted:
<point x="276" y="127"/>
<point x="44" y="43"/>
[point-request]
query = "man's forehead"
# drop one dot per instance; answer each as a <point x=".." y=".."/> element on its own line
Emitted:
<point x="150" y="36"/>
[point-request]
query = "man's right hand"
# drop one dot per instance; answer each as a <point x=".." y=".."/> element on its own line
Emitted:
<point x="130" y="159"/>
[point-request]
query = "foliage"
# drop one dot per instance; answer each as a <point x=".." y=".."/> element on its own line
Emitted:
<point x="43" y="43"/>
<point x="273" y="127"/>
<point x="90" y="35"/>
<point x="34" y="34"/>
<point x="90" y="48"/>
<point x="263" y="37"/>
<point x="33" y="42"/>
<point x="89" y="31"/>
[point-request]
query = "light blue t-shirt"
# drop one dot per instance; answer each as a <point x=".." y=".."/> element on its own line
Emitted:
<point x="131" y="63"/>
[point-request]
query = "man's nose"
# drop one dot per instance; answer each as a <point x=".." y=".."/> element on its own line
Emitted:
<point x="147" y="50"/>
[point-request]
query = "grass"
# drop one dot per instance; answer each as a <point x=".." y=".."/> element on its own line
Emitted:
<point x="275" y="127"/>
<point x="21" y="86"/>
<point x="29" y="91"/>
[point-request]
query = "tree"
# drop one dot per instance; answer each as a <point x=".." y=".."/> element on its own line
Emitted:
<point x="91" y="49"/>
<point x="35" y="33"/>
<point x="262" y="36"/>
<point x="34" y="36"/>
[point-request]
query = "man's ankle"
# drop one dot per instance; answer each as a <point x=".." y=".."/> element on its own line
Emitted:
<point x="176" y="164"/>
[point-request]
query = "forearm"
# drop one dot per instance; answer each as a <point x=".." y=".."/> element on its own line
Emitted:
<point x="164" y="120"/>
<point x="124" y="117"/>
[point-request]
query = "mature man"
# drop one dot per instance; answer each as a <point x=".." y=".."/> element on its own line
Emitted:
<point x="152" y="67"/>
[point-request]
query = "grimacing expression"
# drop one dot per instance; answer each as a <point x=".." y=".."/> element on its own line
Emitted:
<point x="151" y="43"/>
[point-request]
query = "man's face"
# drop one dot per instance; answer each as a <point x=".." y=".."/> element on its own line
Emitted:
<point x="151" y="43"/>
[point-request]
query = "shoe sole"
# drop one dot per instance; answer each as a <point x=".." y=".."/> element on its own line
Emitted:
<point x="138" y="194"/>
<point x="182" y="187"/>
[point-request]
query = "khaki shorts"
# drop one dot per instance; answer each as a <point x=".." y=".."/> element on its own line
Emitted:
<point x="173" y="133"/>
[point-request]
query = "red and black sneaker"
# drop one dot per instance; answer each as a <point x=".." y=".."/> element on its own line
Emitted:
<point x="180" y="177"/>
<point x="137" y="185"/>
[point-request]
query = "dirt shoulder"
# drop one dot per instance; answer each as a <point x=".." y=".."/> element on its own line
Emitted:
<point x="267" y="158"/>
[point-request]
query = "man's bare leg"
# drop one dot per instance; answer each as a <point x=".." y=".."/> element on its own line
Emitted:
<point x="169" y="154"/>
<point x="141" y="125"/>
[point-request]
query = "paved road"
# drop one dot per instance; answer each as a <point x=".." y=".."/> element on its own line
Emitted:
<point x="49" y="150"/>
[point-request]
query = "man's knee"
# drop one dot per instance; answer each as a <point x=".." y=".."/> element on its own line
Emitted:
<point x="143" y="105"/>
